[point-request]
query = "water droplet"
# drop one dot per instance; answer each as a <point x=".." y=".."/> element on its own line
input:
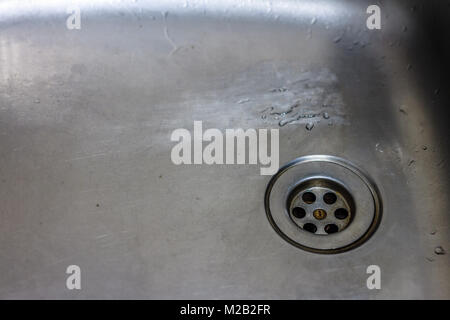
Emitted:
<point x="337" y="39"/>
<point x="243" y="101"/>
<point x="284" y="122"/>
<point x="37" y="101"/>
<point x="309" y="126"/>
<point x="439" y="250"/>
<point x="424" y="148"/>
<point x="313" y="20"/>
<point x="282" y="89"/>
<point x="268" y="108"/>
<point x="326" y="115"/>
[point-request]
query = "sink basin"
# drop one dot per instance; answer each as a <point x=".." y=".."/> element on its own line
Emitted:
<point x="88" y="107"/>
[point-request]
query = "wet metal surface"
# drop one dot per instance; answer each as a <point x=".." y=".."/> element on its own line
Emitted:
<point x="85" y="123"/>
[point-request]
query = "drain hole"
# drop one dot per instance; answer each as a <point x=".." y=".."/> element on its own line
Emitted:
<point x="298" y="212"/>
<point x="331" y="228"/>
<point x="309" y="197"/>
<point x="329" y="198"/>
<point x="310" y="227"/>
<point x="341" y="213"/>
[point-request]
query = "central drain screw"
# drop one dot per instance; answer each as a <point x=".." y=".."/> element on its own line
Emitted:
<point x="319" y="214"/>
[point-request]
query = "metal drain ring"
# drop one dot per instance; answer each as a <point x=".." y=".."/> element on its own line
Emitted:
<point x="366" y="213"/>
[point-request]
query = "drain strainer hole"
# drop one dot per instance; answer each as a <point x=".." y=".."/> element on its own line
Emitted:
<point x="310" y="227"/>
<point x="298" y="212"/>
<point x="309" y="197"/>
<point x="341" y="213"/>
<point x="331" y="228"/>
<point x="329" y="198"/>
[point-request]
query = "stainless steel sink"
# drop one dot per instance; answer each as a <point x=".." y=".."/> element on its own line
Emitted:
<point x="86" y="117"/>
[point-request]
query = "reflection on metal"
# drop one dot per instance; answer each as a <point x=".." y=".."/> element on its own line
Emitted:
<point x="85" y="122"/>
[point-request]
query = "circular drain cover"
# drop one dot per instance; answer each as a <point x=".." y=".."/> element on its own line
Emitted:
<point x="322" y="204"/>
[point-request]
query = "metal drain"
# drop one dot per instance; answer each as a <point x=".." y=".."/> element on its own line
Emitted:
<point x="322" y="204"/>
